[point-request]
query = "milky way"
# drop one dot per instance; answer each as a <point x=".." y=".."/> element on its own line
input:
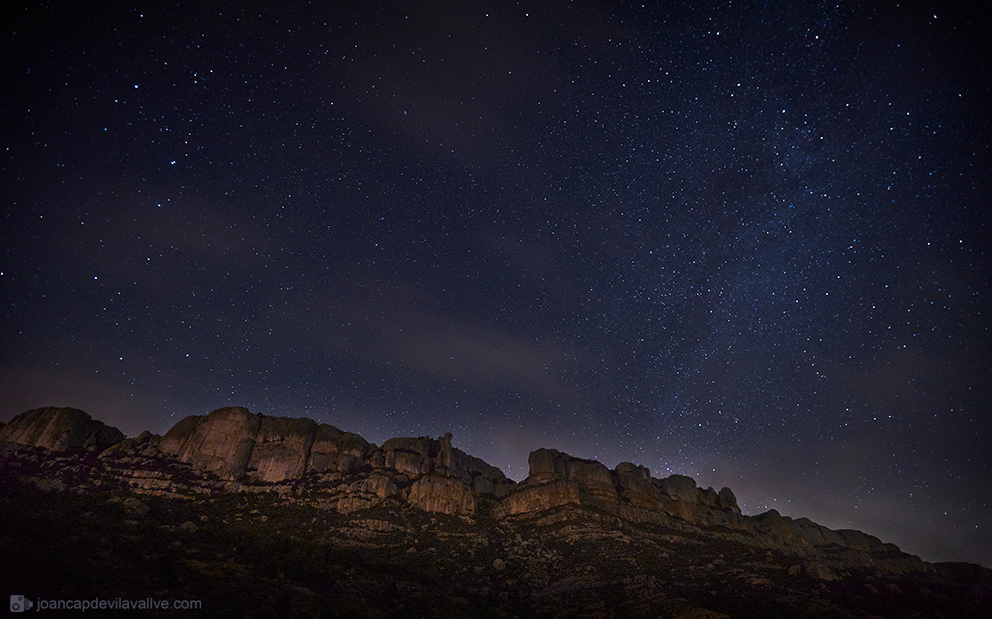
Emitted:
<point x="746" y="244"/>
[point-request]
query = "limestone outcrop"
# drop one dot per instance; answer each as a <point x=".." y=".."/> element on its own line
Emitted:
<point x="446" y="495"/>
<point x="628" y="492"/>
<point x="221" y="442"/>
<point x="59" y="429"/>
<point x="236" y="445"/>
<point x="334" y="450"/>
<point x="844" y="547"/>
<point x="232" y="449"/>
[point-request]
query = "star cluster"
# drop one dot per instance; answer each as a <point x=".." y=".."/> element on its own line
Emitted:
<point x="744" y="243"/>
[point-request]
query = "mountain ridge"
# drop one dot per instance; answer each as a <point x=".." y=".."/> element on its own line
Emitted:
<point x="257" y="514"/>
<point x="239" y="448"/>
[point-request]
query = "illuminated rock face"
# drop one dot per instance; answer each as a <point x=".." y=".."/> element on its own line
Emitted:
<point x="59" y="429"/>
<point x="446" y="495"/>
<point x="233" y="444"/>
<point x="334" y="450"/>
<point x="236" y="445"/>
<point x="221" y="442"/>
<point x="282" y="448"/>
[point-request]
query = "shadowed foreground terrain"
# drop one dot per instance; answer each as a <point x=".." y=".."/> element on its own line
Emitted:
<point x="258" y="516"/>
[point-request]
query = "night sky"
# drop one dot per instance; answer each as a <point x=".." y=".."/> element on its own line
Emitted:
<point x="746" y="243"/>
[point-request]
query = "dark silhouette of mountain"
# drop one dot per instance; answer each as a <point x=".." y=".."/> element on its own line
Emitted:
<point x="269" y="516"/>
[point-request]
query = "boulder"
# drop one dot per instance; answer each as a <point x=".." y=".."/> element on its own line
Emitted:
<point x="59" y="429"/>
<point x="446" y="453"/>
<point x="820" y="571"/>
<point x="629" y="493"/>
<point x="236" y="445"/>
<point x="557" y="479"/>
<point x="686" y="500"/>
<point x="637" y="488"/>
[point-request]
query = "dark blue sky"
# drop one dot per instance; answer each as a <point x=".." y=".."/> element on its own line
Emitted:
<point x="745" y="243"/>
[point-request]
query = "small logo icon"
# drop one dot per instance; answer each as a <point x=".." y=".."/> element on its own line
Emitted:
<point x="19" y="604"/>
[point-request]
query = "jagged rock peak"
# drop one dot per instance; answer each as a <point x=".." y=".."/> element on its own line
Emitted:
<point x="59" y="429"/>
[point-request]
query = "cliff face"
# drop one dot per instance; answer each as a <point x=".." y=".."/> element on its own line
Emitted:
<point x="235" y="445"/>
<point x="232" y="449"/>
<point x="628" y="492"/>
<point x="59" y="429"/>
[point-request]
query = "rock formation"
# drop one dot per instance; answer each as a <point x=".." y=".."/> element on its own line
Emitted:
<point x="334" y="450"/>
<point x="236" y="445"/>
<point x="233" y="449"/>
<point x="629" y="492"/>
<point x="221" y="443"/>
<point x="299" y="518"/>
<point x="59" y="429"/>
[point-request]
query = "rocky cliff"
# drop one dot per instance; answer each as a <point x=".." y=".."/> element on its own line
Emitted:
<point x="59" y="429"/>
<point x="628" y="492"/>
<point x="234" y="444"/>
<point x="233" y="450"/>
